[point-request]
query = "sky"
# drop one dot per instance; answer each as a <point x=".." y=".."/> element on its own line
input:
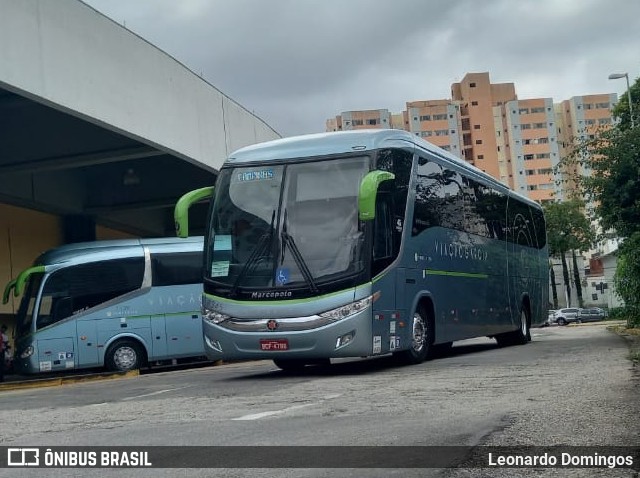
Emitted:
<point x="297" y="63"/>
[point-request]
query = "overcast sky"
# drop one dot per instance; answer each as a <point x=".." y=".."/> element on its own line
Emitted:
<point x="296" y="63"/>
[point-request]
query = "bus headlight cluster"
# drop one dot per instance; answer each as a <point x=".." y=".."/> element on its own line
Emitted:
<point x="213" y="316"/>
<point x="28" y="352"/>
<point x="347" y="310"/>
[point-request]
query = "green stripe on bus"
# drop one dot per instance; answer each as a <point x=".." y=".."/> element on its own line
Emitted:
<point x="255" y="302"/>
<point x="471" y="275"/>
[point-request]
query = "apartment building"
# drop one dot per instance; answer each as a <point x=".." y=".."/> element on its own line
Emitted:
<point x="518" y="142"/>
<point x="437" y="121"/>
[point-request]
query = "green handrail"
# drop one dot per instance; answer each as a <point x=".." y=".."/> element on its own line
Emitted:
<point x="7" y="291"/>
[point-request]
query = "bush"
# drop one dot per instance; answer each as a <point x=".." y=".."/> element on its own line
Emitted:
<point x="627" y="278"/>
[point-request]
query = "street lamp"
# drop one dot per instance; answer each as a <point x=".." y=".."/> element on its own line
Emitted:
<point x="616" y="76"/>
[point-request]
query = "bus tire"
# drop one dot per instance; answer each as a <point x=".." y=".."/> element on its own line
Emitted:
<point x="290" y="365"/>
<point x="520" y="336"/>
<point x="422" y="340"/>
<point x="124" y="355"/>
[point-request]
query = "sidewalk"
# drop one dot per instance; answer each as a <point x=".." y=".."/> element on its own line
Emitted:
<point x="17" y="382"/>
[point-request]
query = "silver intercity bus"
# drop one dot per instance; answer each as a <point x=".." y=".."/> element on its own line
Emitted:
<point x="364" y="243"/>
<point x="118" y="304"/>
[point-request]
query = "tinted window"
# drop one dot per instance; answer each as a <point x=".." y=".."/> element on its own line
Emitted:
<point x="484" y="210"/>
<point x="439" y="198"/>
<point x="520" y="224"/>
<point x="72" y="290"/>
<point x="176" y="268"/>
<point x="539" y="226"/>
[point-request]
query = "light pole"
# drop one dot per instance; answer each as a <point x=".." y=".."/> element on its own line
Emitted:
<point x="616" y="76"/>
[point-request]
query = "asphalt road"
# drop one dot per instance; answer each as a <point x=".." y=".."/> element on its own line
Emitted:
<point x="570" y="386"/>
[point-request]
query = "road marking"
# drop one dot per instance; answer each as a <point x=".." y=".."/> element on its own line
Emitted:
<point x="152" y="393"/>
<point x="258" y="416"/>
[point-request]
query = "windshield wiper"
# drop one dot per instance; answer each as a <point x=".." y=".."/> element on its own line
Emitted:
<point x="264" y="245"/>
<point x="287" y="240"/>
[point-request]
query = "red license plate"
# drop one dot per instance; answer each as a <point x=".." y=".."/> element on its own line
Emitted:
<point x="274" y="344"/>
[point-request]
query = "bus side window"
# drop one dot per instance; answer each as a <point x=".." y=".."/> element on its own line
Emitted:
<point x="75" y="289"/>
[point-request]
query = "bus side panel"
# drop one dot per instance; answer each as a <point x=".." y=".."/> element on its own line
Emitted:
<point x="137" y="328"/>
<point x="55" y="354"/>
<point x="184" y="334"/>
<point x="87" y="336"/>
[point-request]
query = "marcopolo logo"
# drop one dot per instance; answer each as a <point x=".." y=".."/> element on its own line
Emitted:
<point x="23" y="457"/>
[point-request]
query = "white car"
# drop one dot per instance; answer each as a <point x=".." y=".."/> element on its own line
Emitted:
<point x="567" y="316"/>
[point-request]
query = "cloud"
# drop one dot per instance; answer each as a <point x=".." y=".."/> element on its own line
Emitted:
<point x="297" y="63"/>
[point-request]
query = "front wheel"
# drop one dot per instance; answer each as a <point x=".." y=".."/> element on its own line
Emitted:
<point x="421" y="342"/>
<point x="123" y="356"/>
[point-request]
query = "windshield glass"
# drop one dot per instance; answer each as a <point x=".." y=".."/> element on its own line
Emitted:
<point x="27" y="305"/>
<point x="286" y="226"/>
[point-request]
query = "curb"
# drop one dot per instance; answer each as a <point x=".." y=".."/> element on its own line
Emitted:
<point x="58" y="381"/>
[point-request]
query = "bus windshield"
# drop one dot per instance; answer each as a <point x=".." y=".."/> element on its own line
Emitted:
<point x="24" y="317"/>
<point x="286" y="226"/>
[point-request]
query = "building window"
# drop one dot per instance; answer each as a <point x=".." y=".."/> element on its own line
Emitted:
<point x="481" y="156"/>
<point x="532" y="187"/>
<point x="472" y="85"/>
<point x="474" y="103"/>
<point x="604" y="121"/>
<point x="543" y="156"/>
<point x="476" y="126"/>
<point x="537" y="110"/>
<point x="358" y="122"/>
<point x="523" y="111"/>
<point x="478" y="141"/>
<point x="525" y="126"/>
<point x="439" y="117"/>
<point x="425" y="118"/>
<point x="528" y="157"/>
<point x="602" y="105"/>
<point x="372" y="121"/>
<point x="530" y="172"/>
<point x="539" y="125"/>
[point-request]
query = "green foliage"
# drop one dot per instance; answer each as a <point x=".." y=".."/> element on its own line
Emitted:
<point x="621" y="109"/>
<point x="567" y="227"/>
<point x="627" y="278"/>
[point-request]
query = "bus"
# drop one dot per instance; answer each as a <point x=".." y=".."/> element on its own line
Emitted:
<point x="117" y="304"/>
<point x="364" y="243"/>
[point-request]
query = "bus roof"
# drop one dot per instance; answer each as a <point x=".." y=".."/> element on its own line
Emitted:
<point x="341" y="142"/>
<point x="101" y="250"/>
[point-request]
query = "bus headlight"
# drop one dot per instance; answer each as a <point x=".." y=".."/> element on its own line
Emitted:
<point x="213" y="316"/>
<point x="347" y="310"/>
<point x="28" y="352"/>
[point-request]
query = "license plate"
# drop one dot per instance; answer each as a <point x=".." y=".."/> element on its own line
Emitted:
<point x="274" y="344"/>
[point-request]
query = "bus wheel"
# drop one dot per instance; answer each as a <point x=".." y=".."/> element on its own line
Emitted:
<point x="520" y="336"/>
<point x="290" y="365"/>
<point x="123" y="356"/>
<point x="420" y="342"/>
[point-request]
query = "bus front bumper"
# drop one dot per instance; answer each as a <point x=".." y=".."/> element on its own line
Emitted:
<point x="348" y="337"/>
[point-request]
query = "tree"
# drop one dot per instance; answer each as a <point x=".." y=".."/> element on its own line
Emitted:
<point x="568" y="229"/>
<point x="610" y="181"/>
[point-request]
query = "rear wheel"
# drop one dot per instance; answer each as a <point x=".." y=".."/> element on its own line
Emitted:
<point x="124" y="355"/>
<point x="520" y="336"/>
<point x="421" y="341"/>
<point x="561" y="321"/>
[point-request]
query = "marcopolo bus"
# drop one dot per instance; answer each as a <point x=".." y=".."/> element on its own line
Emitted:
<point x="118" y="304"/>
<point x="364" y="243"/>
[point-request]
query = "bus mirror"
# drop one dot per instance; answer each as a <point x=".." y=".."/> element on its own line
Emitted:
<point x="7" y="291"/>
<point x="368" y="192"/>
<point x="181" y="211"/>
<point x="22" y="278"/>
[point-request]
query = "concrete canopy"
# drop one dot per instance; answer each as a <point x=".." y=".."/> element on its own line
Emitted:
<point x="98" y="125"/>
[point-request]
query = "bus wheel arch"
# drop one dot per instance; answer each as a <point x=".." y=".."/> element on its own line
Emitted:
<point x="522" y="334"/>
<point x="422" y="332"/>
<point x="125" y="354"/>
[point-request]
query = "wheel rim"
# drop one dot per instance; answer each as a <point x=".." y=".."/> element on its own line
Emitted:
<point x="523" y="323"/>
<point x="419" y="333"/>
<point x="125" y="357"/>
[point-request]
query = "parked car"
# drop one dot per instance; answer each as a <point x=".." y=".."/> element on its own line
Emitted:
<point x="551" y="319"/>
<point x="590" y="315"/>
<point x="566" y="316"/>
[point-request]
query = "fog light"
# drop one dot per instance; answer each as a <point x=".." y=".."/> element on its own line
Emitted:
<point x="214" y="344"/>
<point x="345" y="339"/>
<point x="28" y="352"/>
